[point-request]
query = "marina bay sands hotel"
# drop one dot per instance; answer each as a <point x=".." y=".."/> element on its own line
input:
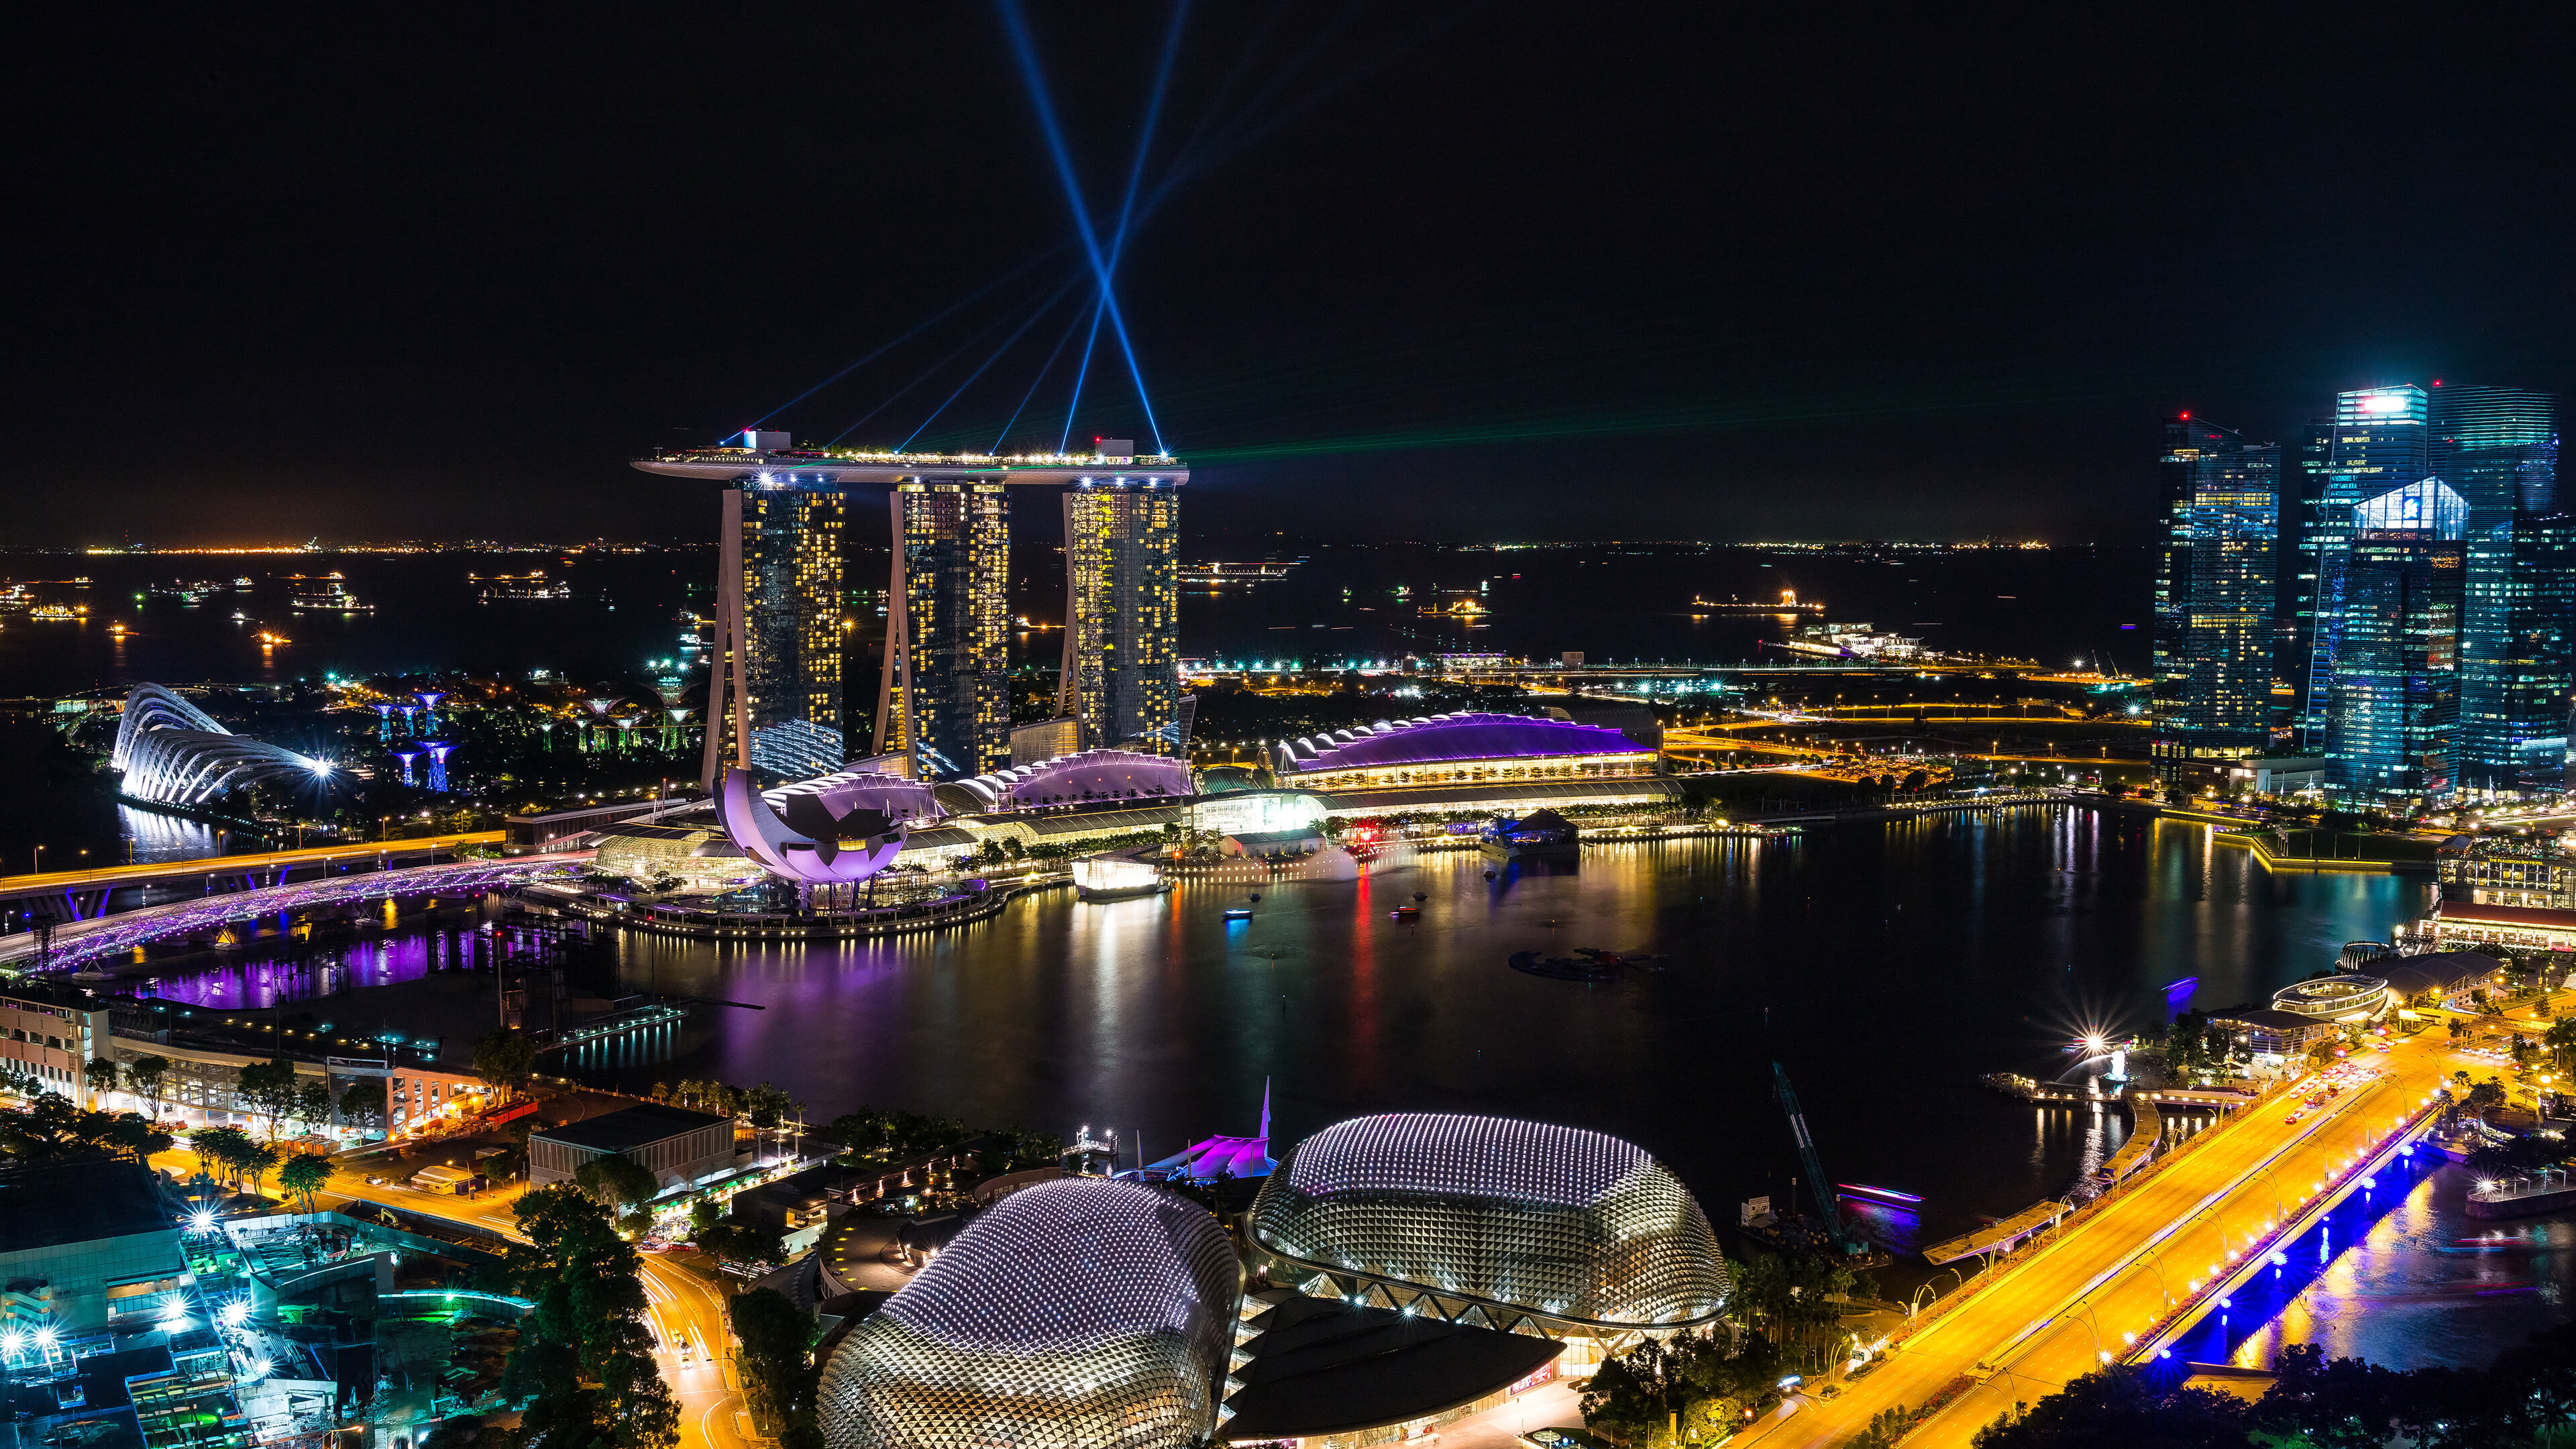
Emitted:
<point x="776" y="697"/>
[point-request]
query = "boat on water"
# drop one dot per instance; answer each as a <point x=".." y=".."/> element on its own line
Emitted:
<point x="327" y="595"/>
<point x="1407" y="913"/>
<point x="1238" y="913"/>
<point x="1562" y="968"/>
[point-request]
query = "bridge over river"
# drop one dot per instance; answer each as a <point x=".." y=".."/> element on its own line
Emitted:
<point x="2117" y="1280"/>
<point x="78" y="943"/>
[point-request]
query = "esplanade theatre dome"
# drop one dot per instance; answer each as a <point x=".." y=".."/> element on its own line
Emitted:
<point x="1493" y="1220"/>
<point x="1085" y="1313"/>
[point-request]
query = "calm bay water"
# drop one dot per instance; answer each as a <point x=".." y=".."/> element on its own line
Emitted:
<point x="1884" y="966"/>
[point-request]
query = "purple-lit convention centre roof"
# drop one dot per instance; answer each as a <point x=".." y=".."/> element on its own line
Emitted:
<point x="1084" y="1312"/>
<point x="1513" y="1218"/>
<point x="1072" y="779"/>
<point x="1467" y="735"/>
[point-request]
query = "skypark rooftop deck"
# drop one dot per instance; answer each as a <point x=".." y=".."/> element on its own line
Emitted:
<point x="833" y="467"/>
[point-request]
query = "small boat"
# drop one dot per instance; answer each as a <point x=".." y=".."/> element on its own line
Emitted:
<point x="1407" y="913"/>
<point x="1238" y="913"/>
<point x="1561" y="968"/>
<point x="1256" y="895"/>
<point x="1420" y="896"/>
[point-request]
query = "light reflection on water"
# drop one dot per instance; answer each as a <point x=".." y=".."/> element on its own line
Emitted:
<point x="2423" y="1276"/>
<point x="1886" y="967"/>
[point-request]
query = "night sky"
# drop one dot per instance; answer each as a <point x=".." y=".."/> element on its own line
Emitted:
<point x="1403" y="270"/>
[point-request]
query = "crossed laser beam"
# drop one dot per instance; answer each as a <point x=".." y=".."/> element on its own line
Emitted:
<point x="1103" y="265"/>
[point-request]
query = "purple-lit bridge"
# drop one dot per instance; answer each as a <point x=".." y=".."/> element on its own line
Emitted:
<point x="77" y="943"/>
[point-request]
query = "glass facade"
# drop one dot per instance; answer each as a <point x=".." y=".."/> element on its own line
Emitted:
<point x="792" y="615"/>
<point x="2380" y="440"/>
<point x="2498" y="449"/>
<point x="2393" y="691"/>
<point x="951" y="664"/>
<point x="2216" y="590"/>
<point x="1122" y="614"/>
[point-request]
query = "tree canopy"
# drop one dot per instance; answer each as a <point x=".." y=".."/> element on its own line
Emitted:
<point x="584" y="1357"/>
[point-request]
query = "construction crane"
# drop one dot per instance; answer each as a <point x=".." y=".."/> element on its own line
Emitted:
<point x="1826" y="1203"/>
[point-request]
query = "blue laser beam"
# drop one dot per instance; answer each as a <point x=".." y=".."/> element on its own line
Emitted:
<point x="929" y="372"/>
<point x="1004" y="435"/>
<point x="1024" y="47"/>
<point x="1074" y="404"/>
<point x="934" y="319"/>
<point x="990" y="358"/>
<point x="1126" y="216"/>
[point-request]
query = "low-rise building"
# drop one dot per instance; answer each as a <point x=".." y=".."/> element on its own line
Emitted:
<point x="2278" y="774"/>
<point x="2478" y="870"/>
<point x="2459" y="925"/>
<point x="677" y="1145"/>
<point x="87" y="1245"/>
<point x="2445" y="975"/>
<point x="2263" y="1031"/>
<point x="51" y="1031"/>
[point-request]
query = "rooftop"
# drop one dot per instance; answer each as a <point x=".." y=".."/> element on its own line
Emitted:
<point x="818" y="468"/>
<point x="629" y="1127"/>
<point x="79" y="1202"/>
<point x="1322" y="1366"/>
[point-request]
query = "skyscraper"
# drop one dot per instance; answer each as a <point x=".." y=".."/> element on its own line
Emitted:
<point x="2498" y="449"/>
<point x="2215" y="591"/>
<point x="2224" y="511"/>
<point x="947" y="680"/>
<point x="1122" y="613"/>
<point x="2518" y="665"/>
<point x="2303" y="473"/>
<point x="2380" y="442"/>
<point x="791" y="587"/>
<point x="2393" y="690"/>
<point x="781" y="625"/>
<point x="774" y="691"/>
<point x="2186" y="444"/>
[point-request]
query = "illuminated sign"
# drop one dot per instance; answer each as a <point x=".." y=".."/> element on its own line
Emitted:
<point x="2386" y="402"/>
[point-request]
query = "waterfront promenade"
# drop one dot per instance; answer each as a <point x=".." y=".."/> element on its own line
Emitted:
<point x="2099" y="1289"/>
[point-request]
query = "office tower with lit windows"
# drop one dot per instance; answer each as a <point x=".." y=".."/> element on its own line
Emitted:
<point x="2215" y="595"/>
<point x="2498" y="449"/>
<point x="793" y="637"/>
<point x="2392" y="696"/>
<point x="2294" y="559"/>
<point x="947" y="684"/>
<point x="1121" y="678"/>
<point x="2380" y="441"/>
<point x="2518" y="670"/>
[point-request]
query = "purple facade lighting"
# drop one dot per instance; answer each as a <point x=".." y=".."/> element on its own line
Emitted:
<point x="439" y="750"/>
<point x="1089" y="775"/>
<point x="429" y="699"/>
<point x="1468" y="735"/>
<point x="407" y="756"/>
<point x="114" y="935"/>
<point x="837" y="830"/>
<point x="385" y="722"/>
